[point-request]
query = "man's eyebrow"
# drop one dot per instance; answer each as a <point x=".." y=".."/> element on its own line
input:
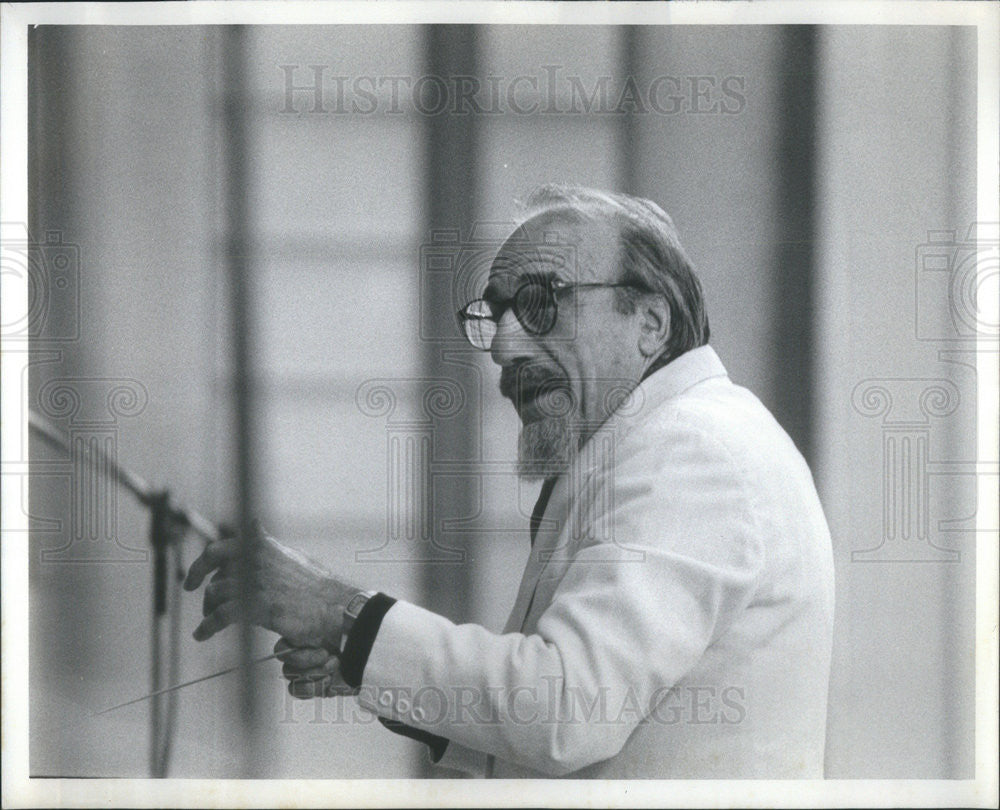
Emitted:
<point x="499" y="281"/>
<point x="513" y="281"/>
<point x="491" y="294"/>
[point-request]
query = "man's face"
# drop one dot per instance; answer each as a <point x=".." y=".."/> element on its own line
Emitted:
<point x="562" y="383"/>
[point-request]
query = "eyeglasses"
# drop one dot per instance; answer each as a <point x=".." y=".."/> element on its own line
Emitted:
<point x="534" y="306"/>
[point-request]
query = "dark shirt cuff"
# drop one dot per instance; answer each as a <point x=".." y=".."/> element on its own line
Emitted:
<point x="435" y="742"/>
<point x="359" y="642"/>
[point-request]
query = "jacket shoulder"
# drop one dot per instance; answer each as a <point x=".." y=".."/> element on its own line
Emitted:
<point x="716" y="413"/>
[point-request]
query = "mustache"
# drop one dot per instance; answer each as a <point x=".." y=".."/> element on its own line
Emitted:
<point x="521" y="381"/>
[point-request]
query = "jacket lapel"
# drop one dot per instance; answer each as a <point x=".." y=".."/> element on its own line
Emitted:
<point x="556" y="532"/>
<point x="547" y="538"/>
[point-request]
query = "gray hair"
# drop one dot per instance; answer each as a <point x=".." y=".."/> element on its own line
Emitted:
<point x="652" y="256"/>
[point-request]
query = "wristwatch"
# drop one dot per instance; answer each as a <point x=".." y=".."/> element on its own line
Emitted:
<point x="353" y="607"/>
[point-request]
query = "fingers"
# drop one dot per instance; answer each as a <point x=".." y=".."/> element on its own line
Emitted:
<point x="304" y="658"/>
<point x="215" y="554"/>
<point x="218" y="592"/>
<point x="324" y="669"/>
<point x="217" y="620"/>
<point x="322" y="681"/>
<point x="311" y="672"/>
<point x="282" y="646"/>
<point x="280" y="593"/>
<point x="218" y="552"/>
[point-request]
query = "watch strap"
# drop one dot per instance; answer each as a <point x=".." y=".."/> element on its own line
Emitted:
<point x="361" y="639"/>
<point x="352" y="610"/>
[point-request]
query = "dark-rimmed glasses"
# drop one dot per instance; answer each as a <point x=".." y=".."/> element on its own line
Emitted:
<point x="534" y="306"/>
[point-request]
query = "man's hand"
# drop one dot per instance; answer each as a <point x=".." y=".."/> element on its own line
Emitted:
<point x="287" y="592"/>
<point x="311" y="671"/>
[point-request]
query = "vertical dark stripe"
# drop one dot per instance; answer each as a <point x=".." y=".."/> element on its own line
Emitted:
<point x="54" y="162"/>
<point x="36" y="125"/>
<point x="629" y="134"/>
<point x="240" y="274"/>
<point x="452" y="184"/>
<point x="794" y="290"/>
<point x="57" y="176"/>
<point x="958" y="582"/>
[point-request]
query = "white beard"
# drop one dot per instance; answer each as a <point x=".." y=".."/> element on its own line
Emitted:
<point x="544" y="448"/>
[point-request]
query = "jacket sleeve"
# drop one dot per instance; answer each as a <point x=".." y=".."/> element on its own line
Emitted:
<point x="617" y="633"/>
<point x="354" y="658"/>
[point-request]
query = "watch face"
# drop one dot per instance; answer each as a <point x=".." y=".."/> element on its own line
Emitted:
<point x="356" y="603"/>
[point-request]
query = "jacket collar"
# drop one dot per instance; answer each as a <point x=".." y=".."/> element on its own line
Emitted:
<point x="675" y="378"/>
<point x="552" y="542"/>
<point x="691" y="368"/>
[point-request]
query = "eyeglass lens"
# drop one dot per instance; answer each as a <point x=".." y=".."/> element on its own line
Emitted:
<point x="479" y="325"/>
<point x="533" y="305"/>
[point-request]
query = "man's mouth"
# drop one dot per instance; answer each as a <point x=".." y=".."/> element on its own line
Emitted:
<point x="537" y="393"/>
<point x="549" y="402"/>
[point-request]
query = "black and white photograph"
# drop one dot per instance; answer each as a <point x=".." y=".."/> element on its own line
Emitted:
<point x="487" y="403"/>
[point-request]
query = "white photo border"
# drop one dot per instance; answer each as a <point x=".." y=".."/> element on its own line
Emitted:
<point x="21" y="791"/>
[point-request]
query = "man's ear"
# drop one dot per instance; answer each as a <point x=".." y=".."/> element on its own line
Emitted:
<point x="654" y="324"/>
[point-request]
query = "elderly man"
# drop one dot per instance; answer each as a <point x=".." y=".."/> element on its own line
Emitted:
<point x="675" y="617"/>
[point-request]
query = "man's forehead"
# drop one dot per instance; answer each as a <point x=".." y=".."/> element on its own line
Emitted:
<point x="545" y="248"/>
<point x="523" y="260"/>
<point x="510" y="269"/>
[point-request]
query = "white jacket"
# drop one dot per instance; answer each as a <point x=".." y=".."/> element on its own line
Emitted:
<point x="674" y="620"/>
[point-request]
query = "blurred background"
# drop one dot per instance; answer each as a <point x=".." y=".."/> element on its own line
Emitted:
<point x="264" y="234"/>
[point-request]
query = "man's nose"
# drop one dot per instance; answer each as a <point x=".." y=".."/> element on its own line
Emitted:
<point x="510" y="343"/>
